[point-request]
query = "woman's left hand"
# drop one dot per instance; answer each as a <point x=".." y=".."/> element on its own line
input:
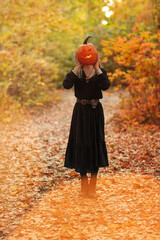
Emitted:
<point x="97" y="64"/>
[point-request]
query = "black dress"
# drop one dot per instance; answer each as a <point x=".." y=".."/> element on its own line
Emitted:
<point x="86" y="150"/>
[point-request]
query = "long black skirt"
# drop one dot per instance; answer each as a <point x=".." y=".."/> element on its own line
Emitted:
<point x="86" y="149"/>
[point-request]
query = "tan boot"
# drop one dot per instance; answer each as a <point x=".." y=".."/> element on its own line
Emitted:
<point x="84" y="186"/>
<point x="92" y="187"/>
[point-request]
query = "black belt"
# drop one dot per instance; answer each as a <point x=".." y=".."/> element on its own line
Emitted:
<point x="92" y="102"/>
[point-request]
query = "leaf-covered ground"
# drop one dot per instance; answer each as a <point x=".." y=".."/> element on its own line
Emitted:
<point x="31" y="164"/>
<point x="127" y="207"/>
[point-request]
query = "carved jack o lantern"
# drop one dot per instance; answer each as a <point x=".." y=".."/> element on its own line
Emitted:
<point x="87" y="53"/>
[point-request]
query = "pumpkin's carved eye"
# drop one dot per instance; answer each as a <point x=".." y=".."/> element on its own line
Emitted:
<point x="90" y="49"/>
<point x="83" y="50"/>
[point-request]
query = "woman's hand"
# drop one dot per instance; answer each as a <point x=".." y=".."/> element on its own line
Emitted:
<point x="97" y="65"/>
<point x="78" y="65"/>
<point x="77" y="61"/>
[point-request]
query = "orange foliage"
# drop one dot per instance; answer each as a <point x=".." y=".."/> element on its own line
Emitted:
<point x="137" y="61"/>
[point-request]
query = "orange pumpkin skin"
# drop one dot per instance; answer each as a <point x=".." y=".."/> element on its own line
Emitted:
<point x="87" y="53"/>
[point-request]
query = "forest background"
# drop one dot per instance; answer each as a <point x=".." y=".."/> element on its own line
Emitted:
<point x="38" y="40"/>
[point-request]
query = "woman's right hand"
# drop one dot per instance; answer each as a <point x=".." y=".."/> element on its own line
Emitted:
<point x="77" y="61"/>
<point x="78" y="65"/>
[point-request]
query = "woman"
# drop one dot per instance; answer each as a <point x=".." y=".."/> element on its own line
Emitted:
<point x="86" y="150"/>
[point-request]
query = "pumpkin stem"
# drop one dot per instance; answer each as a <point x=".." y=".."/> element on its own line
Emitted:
<point x="85" y="41"/>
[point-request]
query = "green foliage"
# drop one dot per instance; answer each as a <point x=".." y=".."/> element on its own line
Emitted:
<point x="35" y="39"/>
<point x="128" y="12"/>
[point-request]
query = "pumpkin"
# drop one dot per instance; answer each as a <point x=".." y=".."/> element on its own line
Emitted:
<point x="87" y="53"/>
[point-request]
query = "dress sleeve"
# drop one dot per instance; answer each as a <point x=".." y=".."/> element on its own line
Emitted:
<point x="69" y="80"/>
<point x="103" y="80"/>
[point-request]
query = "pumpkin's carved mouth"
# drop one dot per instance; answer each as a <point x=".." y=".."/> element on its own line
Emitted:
<point x="88" y="56"/>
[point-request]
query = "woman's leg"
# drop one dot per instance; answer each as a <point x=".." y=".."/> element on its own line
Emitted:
<point x="84" y="184"/>
<point x="93" y="181"/>
<point x="83" y="174"/>
<point x="95" y="172"/>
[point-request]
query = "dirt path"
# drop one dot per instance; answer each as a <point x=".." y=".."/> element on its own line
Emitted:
<point x="32" y="158"/>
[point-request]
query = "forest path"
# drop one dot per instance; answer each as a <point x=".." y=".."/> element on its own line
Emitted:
<point x="127" y="207"/>
<point x="32" y="169"/>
